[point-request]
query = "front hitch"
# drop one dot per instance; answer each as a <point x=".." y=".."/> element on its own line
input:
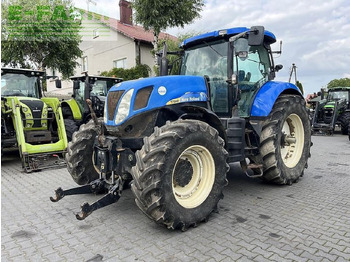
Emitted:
<point x="114" y="164"/>
<point x="97" y="186"/>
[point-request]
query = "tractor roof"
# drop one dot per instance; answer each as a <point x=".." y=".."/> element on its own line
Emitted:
<point x="339" y="88"/>
<point x="83" y="77"/>
<point x="28" y="72"/>
<point x="269" y="37"/>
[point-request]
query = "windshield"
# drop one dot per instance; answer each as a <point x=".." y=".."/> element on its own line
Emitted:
<point x="101" y="87"/>
<point x="206" y="59"/>
<point x="19" y="85"/>
<point x="336" y="95"/>
<point x="210" y="60"/>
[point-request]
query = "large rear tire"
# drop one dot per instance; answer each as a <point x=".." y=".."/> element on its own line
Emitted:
<point x="344" y="120"/>
<point x="71" y="127"/>
<point x="80" y="152"/>
<point x="285" y="140"/>
<point x="180" y="173"/>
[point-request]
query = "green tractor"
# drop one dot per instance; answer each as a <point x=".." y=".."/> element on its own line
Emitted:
<point x="30" y="122"/>
<point x="77" y="115"/>
<point x="335" y="110"/>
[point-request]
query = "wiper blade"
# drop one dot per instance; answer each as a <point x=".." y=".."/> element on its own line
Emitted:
<point x="212" y="48"/>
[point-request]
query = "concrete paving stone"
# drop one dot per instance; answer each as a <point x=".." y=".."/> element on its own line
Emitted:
<point x="298" y="223"/>
<point x="54" y="257"/>
<point x="230" y="254"/>
<point x="213" y="253"/>
<point x="321" y="247"/>
<point x="293" y="257"/>
<point x="326" y="255"/>
<point x="277" y="257"/>
<point x="330" y="243"/>
<point x="262" y="252"/>
<point x="338" y="253"/>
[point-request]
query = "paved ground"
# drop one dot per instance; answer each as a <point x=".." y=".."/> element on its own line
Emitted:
<point x="309" y="221"/>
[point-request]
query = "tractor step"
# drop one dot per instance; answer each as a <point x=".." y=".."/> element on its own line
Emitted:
<point x="34" y="162"/>
<point x="97" y="186"/>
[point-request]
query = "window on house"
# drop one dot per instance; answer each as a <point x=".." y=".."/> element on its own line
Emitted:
<point x="120" y="63"/>
<point x="84" y="64"/>
<point x="95" y="33"/>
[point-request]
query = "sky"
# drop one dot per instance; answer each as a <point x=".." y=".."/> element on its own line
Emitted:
<point x="315" y="34"/>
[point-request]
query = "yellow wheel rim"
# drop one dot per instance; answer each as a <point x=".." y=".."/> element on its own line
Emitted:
<point x="193" y="176"/>
<point x="292" y="143"/>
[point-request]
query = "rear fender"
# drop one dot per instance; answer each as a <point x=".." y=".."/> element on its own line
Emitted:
<point x="268" y="94"/>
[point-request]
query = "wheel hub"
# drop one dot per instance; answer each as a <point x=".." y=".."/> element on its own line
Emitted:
<point x="183" y="173"/>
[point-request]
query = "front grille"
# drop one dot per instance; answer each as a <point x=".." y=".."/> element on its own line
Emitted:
<point x="112" y="102"/>
<point x="36" y="107"/>
<point x="142" y="97"/>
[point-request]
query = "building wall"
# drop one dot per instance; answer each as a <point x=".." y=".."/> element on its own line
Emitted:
<point x="101" y="51"/>
<point x="146" y="56"/>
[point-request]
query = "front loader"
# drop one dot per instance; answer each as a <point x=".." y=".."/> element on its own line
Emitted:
<point x="174" y="136"/>
<point x="30" y="122"/>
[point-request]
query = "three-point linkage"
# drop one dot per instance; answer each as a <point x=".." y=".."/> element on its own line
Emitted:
<point x="98" y="186"/>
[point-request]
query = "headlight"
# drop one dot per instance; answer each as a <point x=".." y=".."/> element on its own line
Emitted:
<point x="124" y="107"/>
<point x="25" y="109"/>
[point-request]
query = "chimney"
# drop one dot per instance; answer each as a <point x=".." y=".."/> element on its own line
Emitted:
<point x="125" y="12"/>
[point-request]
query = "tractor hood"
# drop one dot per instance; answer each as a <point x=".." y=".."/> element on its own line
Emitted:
<point x="33" y="111"/>
<point x="129" y="98"/>
<point x="330" y="104"/>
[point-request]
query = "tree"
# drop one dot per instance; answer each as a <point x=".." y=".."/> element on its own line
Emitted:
<point x="174" y="46"/>
<point x="343" y="82"/>
<point x="40" y="34"/>
<point x="136" y="72"/>
<point x="157" y="15"/>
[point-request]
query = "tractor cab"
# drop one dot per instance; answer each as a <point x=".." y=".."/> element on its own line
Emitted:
<point x="91" y="87"/>
<point x="85" y="87"/>
<point x="21" y="82"/>
<point x="236" y="63"/>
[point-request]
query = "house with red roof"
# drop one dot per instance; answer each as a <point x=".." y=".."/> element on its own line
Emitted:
<point x="109" y="43"/>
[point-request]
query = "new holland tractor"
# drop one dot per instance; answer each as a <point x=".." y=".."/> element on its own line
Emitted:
<point x="175" y="136"/>
<point x="30" y="122"/>
<point x="77" y="115"/>
<point x="331" y="111"/>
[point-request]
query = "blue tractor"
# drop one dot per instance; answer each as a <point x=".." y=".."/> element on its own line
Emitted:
<point x="174" y="136"/>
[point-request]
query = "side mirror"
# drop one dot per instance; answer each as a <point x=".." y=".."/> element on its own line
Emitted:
<point x="58" y="83"/>
<point x="278" y="67"/>
<point x="163" y="70"/>
<point x="76" y="84"/>
<point x="256" y="35"/>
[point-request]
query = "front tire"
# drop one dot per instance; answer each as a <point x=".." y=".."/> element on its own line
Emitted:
<point x="285" y="141"/>
<point x="180" y="173"/>
<point x="80" y="153"/>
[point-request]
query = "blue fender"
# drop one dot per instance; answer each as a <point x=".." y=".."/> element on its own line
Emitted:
<point x="267" y="95"/>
